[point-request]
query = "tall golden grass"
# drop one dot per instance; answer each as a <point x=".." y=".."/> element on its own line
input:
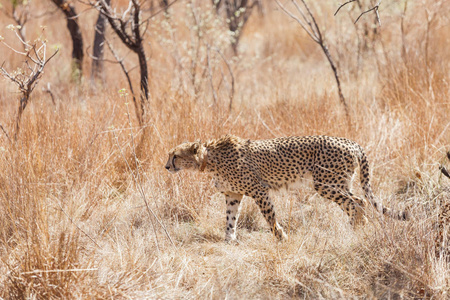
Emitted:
<point x="87" y="209"/>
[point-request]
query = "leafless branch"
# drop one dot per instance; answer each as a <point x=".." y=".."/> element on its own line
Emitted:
<point x="136" y="176"/>
<point x="127" y="27"/>
<point x="26" y="80"/>
<point x="208" y="62"/>
<point x="342" y="5"/>
<point x="78" y="227"/>
<point x="20" y="19"/>
<point x="138" y="182"/>
<point x="20" y="14"/>
<point x="302" y="23"/>
<point x="49" y="91"/>
<point x="231" y="75"/>
<point x="309" y="24"/>
<point x="130" y="84"/>
<point x="6" y="134"/>
<point x="375" y="8"/>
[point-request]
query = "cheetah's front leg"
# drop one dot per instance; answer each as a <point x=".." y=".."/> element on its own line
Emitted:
<point x="266" y="206"/>
<point x="233" y="201"/>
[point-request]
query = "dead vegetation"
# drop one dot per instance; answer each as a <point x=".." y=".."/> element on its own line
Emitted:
<point x="84" y="213"/>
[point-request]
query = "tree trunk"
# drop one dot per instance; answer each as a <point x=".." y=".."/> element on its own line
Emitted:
<point x="144" y="77"/>
<point x="22" y="104"/>
<point x="98" y="52"/>
<point x="133" y="41"/>
<point x="338" y="81"/>
<point x="75" y="33"/>
<point x="144" y="72"/>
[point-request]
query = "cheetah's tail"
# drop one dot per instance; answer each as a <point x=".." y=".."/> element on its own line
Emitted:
<point x="365" y="183"/>
<point x="443" y="169"/>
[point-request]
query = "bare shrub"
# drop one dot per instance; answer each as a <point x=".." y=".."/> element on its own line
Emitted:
<point x="27" y="77"/>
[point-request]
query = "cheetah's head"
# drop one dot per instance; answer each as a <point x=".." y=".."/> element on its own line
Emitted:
<point x="187" y="156"/>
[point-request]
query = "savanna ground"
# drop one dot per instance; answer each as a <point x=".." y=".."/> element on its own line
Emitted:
<point x="87" y="209"/>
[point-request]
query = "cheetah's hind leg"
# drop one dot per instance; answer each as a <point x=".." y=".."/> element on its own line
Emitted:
<point x="360" y="218"/>
<point x="339" y="192"/>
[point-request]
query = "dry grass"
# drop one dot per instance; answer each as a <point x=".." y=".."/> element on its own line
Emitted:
<point x="73" y="216"/>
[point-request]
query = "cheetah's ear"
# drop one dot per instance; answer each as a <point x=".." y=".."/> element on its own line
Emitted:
<point x="195" y="146"/>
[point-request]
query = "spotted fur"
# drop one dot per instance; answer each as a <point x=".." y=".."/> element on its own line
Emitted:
<point x="255" y="167"/>
<point x="443" y="232"/>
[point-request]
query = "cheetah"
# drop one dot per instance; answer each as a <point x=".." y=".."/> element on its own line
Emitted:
<point x="443" y="223"/>
<point x="256" y="167"/>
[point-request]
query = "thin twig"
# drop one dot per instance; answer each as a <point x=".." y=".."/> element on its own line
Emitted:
<point x="310" y="26"/>
<point x="138" y="185"/>
<point x="150" y="211"/>
<point x="20" y="19"/>
<point x="375" y="8"/>
<point x="4" y="131"/>
<point x="232" y="77"/>
<point x="140" y="190"/>
<point x="78" y="227"/>
<point x="129" y="32"/>
<point x="343" y="6"/>
<point x="127" y="75"/>
<point x="208" y="62"/>
<point x="299" y="21"/>
<point x="14" y="50"/>
<point x="49" y="91"/>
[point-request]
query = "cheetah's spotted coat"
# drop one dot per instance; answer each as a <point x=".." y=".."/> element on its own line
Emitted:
<point x="254" y="167"/>
<point x="443" y="232"/>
